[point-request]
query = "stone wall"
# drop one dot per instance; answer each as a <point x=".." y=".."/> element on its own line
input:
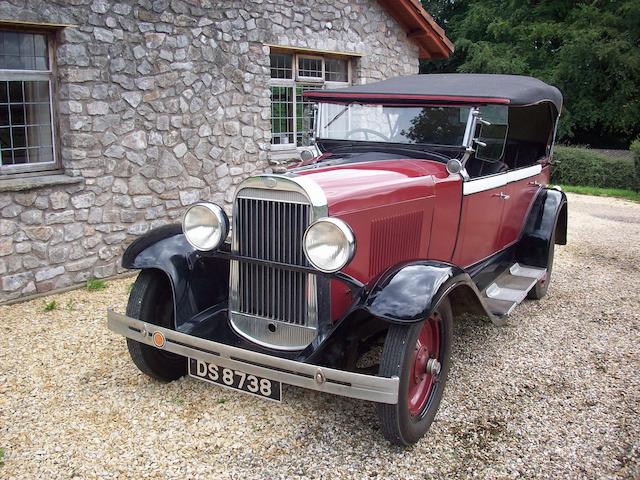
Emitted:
<point x="161" y="104"/>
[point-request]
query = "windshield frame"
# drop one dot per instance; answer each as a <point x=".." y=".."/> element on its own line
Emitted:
<point x="467" y="139"/>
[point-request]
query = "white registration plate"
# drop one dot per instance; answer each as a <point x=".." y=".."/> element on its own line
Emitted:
<point x="235" y="379"/>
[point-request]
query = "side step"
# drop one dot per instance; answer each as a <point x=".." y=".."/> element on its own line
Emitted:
<point x="511" y="288"/>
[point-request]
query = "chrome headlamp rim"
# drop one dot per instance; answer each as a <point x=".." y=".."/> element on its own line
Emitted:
<point x="221" y="217"/>
<point x="349" y="237"/>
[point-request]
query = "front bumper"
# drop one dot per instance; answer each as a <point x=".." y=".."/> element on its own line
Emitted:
<point x="305" y="375"/>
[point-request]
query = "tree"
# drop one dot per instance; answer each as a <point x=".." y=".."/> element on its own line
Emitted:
<point x="588" y="49"/>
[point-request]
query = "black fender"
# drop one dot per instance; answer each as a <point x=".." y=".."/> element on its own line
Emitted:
<point x="197" y="282"/>
<point x="547" y="215"/>
<point x="410" y="292"/>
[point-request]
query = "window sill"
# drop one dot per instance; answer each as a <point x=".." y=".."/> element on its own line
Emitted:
<point x="40" y="181"/>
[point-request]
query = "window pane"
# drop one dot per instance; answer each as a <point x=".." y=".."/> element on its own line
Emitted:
<point x="4" y="116"/>
<point x="17" y="114"/>
<point x="304" y="116"/>
<point x="336" y="70"/>
<point x="19" y="137"/>
<point x="282" y="115"/>
<point x="6" y="156"/>
<point x="25" y="123"/>
<point x="23" y="51"/>
<point x="4" y="95"/>
<point x="36" y="91"/>
<point x="310" y="67"/>
<point x="15" y="92"/>
<point x="11" y="44"/>
<point x="5" y="138"/>
<point x="281" y="65"/>
<point x="20" y="156"/>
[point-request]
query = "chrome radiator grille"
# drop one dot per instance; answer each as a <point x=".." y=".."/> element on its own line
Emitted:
<point x="272" y="305"/>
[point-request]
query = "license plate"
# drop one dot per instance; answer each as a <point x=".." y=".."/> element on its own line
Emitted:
<point x="235" y="379"/>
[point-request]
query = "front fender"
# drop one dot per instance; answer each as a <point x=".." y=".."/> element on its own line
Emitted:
<point x="410" y="292"/>
<point x="198" y="282"/>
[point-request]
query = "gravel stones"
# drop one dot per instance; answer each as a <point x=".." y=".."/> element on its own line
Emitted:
<point x="553" y="394"/>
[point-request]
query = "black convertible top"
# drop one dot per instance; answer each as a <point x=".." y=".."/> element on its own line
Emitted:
<point x="516" y="90"/>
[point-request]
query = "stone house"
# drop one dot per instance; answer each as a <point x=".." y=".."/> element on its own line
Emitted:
<point x="115" y="115"/>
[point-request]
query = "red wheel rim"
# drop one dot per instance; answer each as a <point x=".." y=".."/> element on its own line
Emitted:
<point x="422" y="381"/>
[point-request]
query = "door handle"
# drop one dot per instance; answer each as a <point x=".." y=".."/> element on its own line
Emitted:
<point x="535" y="183"/>
<point x="502" y="196"/>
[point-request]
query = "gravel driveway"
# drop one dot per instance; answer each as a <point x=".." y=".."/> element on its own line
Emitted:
<point x="555" y="393"/>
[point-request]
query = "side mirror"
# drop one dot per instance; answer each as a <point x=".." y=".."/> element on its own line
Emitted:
<point x="454" y="166"/>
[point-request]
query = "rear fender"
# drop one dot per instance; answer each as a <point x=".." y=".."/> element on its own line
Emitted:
<point x="547" y="215"/>
<point x="197" y="282"/>
<point x="410" y="292"/>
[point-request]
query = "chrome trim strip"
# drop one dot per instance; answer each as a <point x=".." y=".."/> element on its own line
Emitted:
<point x="500" y="180"/>
<point x="485" y="183"/>
<point x="522" y="173"/>
<point x="304" y="375"/>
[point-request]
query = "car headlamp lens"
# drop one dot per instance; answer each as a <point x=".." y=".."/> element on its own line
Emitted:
<point x="206" y="226"/>
<point x="329" y="244"/>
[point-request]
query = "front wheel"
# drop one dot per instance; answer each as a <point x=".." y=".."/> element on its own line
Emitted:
<point x="419" y="354"/>
<point x="151" y="301"/>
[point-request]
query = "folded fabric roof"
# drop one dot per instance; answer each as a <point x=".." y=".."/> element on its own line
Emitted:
<point x="515" y="90"/>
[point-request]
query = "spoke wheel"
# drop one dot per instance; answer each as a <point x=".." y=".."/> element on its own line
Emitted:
<point x="419" y="355"/>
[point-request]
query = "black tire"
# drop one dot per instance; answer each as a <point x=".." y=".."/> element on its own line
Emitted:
<point x="398" y="425"/>
<point x="151" y="300"/>
<point x="540" y="289"/>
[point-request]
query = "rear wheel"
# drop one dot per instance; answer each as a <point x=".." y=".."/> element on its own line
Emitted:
<point x="419" y="354"/>
<point x="541" y="287"/>
<point x="151" y="301"/>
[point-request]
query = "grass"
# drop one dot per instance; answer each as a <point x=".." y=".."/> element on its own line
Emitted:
<point x="603" y="192"/>
<point x="71" y="304"/>
<point x="93" y="285"/>
<point x="1" y="457"/>
<point x="49" y="306"/>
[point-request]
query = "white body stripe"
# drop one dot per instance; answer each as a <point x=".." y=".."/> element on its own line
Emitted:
<point x="494" y="181"/>
<point x="521" y="173"/>
<point x="485" y="183"/>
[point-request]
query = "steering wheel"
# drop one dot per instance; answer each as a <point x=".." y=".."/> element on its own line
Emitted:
<point x="368" y="131"/>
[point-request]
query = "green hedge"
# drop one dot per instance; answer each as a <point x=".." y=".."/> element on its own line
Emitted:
<point x="635" y="149"/>
<point x="580" y="166"/>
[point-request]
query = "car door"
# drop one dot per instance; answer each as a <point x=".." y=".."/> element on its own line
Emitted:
<point x="483" y="202"/>
<point x="522" y="186"/>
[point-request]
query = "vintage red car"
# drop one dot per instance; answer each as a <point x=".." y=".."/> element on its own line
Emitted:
<point x="344" y="275"/>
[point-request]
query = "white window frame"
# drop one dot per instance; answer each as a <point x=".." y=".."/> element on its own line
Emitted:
<point x="35" y="75"/>
<point x="298" y="80"/>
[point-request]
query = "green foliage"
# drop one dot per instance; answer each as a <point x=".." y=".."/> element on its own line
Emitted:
<point x="71" y="304"/>
<point x="94" y="284"/>
<point x="590" y="49"/>
<point x="49" y="306"/>
<point x="635" y="149"/>
<point x="580" y="166"/>
<point x="1" y="457"/>
<point x="603" y="192"/>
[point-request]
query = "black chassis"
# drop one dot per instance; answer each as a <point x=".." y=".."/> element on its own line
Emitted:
<point x="200" y="285"/>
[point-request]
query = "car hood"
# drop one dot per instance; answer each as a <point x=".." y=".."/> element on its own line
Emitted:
<point x="360" y="186"/>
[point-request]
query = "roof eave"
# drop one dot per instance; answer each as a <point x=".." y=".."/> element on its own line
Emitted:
<point x="421" y="28"/>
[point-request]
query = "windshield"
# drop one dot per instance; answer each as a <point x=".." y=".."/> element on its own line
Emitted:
<point x="380" y="123"/>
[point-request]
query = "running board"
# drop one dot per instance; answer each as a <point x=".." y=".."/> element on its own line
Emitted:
<point x="511" y="288"/>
